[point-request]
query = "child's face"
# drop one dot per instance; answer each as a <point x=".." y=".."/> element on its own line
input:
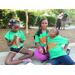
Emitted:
<point x="52" y="33"/>
<point x="44" y="24"/>
<point x="15" y="27"/>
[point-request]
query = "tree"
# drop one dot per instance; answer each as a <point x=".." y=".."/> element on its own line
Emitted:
<point x="70" y="12"/>
<point x="26" y="13"/>
<point x="4" y="17"/>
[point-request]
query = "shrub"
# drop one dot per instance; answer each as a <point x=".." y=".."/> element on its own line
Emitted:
<point x="51" y="20"/>
<point x="32" y="17"/>
<point x="6" y="16"/>
<point x="38" y="21"/>
<point x="21" y="15"/>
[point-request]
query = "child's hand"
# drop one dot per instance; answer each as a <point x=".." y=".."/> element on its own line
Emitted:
<point x="20" y="39"/>
<point x="41" y="50"/>
<point x="15" y="37"/>
<point x="63" y="48"/>
<point x="66" y="45"/>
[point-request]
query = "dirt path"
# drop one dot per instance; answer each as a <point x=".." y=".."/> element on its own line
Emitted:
<point x="29" y="43"/>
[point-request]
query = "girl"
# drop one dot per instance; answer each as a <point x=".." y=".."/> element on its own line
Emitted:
<point x="41" y="39"/>
<point x="57" y="53"/>
<point x="15" y="38"/>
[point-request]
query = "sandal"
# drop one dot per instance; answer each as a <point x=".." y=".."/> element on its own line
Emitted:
<point x="27" y="60"/>
<point x="15" y="58"/>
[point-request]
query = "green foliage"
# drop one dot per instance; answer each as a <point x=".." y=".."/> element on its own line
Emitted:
<point x="21" y="15"/>
<point x="32" y="17"/>
<point x="2" y="16"/>
<point x="38" y="21"/>
<point x="5" y="16"/>
<point x="70" y="12"/>
<point x="39" y="18"/>
<point x="51" y="20"/>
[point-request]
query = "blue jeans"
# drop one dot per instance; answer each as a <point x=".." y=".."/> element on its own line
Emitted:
<point x="66" y="60"/>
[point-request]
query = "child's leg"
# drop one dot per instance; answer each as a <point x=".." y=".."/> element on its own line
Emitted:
<point x="66" y="60"/>
<point x="9" y="59"/>
<point x="52" y="62"/>
<point x="27" y="53"/>
<point x="61" y="24"/>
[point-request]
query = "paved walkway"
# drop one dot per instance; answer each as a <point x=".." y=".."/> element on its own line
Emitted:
<point x="35" y="61"/>
<point x="67" y="27"/>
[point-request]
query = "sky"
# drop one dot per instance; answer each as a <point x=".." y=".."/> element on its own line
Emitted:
<point x="31" y="9"/>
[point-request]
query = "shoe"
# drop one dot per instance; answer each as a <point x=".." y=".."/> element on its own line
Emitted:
<point x="26" y="63"/>
<point x="15" y="58"/>
<point x="68" y="51"/>
<point x="27" y="60"/>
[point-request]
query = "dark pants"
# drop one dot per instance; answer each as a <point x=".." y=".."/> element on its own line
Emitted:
<point x="69" y="24"/>
<point x="58" y="23"/>
<point x="65" y="59"/>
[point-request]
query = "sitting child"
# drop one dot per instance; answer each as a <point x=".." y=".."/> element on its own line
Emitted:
<point x="15" y="39"/>
<point x="57" y="53"/>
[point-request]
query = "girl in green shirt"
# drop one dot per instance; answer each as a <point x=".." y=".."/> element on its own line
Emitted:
<point x="41" y="39"/>
<point x="57" y="53"/>
<point x="15" y="38"/>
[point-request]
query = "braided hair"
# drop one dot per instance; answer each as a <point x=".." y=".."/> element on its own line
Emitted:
<point x="12" y="22"/>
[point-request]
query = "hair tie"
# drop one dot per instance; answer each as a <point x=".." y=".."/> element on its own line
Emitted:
<point x="10" y="23"/>
<point x="13" y="20"/>
<point x="18" y="20"/>
<point x="10" y="20"/>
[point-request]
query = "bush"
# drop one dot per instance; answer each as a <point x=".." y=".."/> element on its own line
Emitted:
<point x="38" y="21"/>
<point x="51" y="20"/>
<point x="32" y="17"/>
<point x="21" y="15"/>
<point x="6" y="16"/>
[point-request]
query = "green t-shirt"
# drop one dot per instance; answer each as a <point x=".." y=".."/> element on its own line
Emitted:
<point x="42" y="39"/>
<point x="10" y="36"/>
<point x="54" y="46"/>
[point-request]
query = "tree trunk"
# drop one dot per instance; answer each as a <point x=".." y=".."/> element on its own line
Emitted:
<point x="26" y="13"/>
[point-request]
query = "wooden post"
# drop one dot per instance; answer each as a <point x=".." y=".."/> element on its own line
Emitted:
<point x="26" y="13"/>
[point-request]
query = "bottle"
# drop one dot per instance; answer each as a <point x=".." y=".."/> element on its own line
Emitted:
<point x="68" y="51"/>
<point x="17" y="39"/>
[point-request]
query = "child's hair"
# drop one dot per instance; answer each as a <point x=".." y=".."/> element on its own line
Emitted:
<point x="12" y="22"/>
<point x="57" y="32"/>
<point x="39" y="31"/>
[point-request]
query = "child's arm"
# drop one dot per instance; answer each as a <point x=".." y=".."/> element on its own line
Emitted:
<point x="9" y="43"/>
<point x="40" y="49"/>
<point x="20" y="39"/>
<point x="66" y="45"/>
